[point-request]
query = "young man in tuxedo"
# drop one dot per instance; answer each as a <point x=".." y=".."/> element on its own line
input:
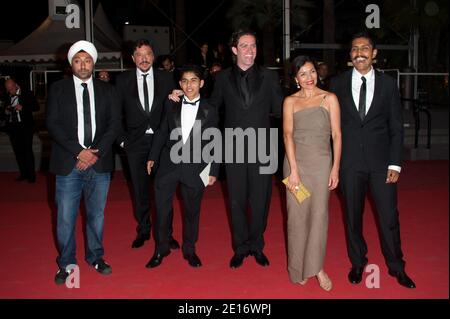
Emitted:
<point x="19" y="125"/>
<point x="83" y="119"/>
<point x="142" y="93"/>
<point x="372" y="143"/>
<point x="189" y="118"/>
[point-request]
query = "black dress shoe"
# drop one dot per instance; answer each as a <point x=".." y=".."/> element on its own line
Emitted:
<point x="139" y="241"/>
<point x="403" y="279"/>
<point x="237" y="260"/>
<point x="61" y="276"/>
<point x="193" y="260"/>
<point x="355" y="275"/>
<point x="102" y="267"/>
<point x="173" y="244"/>
<point x="156" y="260"/>
<point x="260" y="258"/>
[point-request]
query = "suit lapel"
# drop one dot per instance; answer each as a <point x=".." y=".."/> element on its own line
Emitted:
<point x="376" y="95"/>
<point x="97" y="106"/>
<point x="177" y="115"/>
<point x="256" y="84"/>
<point x="202" y="112"/>
<point x="73" y="100"/>
<point x="234" y="84"/>
<point x="156" y="89"/>
<point x="352" y="108"/>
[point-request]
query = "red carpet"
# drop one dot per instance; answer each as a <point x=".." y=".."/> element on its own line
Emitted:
<point x="28" y="250"/>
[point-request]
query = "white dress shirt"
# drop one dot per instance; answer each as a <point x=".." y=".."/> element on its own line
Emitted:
<point x="370" y="90"/>
<point x="188" y="115"/>
<point x="80" y="115"/>
<point x="150" y="85"/>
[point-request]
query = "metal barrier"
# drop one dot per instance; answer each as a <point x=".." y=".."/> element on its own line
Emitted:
<point x="420" y="106"/>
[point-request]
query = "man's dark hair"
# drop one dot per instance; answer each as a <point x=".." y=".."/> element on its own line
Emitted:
<point x="240" y="33"/>
<point x="141" y="42"/>
<point x="300" y="61"/>
<point x="191" y="68"/>
<point x="363" y="34"/>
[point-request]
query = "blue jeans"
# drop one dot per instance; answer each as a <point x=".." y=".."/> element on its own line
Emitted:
<point x="94" y="187"/>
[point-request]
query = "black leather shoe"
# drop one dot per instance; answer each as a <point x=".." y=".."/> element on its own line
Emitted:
<point x="193" y="260"/>
<point x="403" y="279"/>
<point x="61" y="276"/>
<point x="102" y="267"/>
<point x="355" y="275"/>
<point x="237" y="260"/>
<point x="173" y="244"/>
<point x="139" y="241"/>
<point x="260" y="258"/>
<point x="156" y="260"/>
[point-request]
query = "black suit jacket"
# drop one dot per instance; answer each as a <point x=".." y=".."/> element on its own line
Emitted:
<point x="136" y="120"/>
<point x="377" y="141"/>
<point x="29" y="105"/>
<point x="266" y="98"/>
<point x="62" y="125"/>
<point x="162" y="143"/>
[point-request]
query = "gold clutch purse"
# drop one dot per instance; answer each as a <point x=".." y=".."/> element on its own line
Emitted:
<point x="301" y="193"/>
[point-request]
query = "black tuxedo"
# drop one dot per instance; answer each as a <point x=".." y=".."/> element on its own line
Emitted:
<point x="62" y="125"/>
<point x="21" y="132"/>
<point x="137" y="143"/>
<point x="244" y="180"/>
<point x="369" y="146"/>
<point x="170" y="173"/>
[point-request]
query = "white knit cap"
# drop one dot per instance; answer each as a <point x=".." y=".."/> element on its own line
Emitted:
<point x="82" y="45"/>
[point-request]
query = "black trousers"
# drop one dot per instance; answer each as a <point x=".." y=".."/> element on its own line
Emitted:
<point x="22" y="143"/>
<point x="140" y="180"/>
<point x="247" y="185"/>
<point x="354" y="185"/>
<point x="165" y="189"/>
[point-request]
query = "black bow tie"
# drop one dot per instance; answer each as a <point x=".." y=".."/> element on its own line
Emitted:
<point x="191" y="103"/>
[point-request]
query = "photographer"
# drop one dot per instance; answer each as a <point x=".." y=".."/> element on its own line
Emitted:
<point x="19" y="106"/>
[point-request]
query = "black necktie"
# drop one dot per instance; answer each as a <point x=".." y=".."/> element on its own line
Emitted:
<point x="244" y="88"/>
<point x="191" y="103"/>
<point x="362" y="99"/>
<point x="144" y="83"/>
<point x="87" y="116"/>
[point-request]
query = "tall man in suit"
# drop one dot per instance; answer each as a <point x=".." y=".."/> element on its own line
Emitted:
<point x="188" y="118"/>
<point x="142" y="93"/>
<point x="372" y="141"/>
<point x="249" y="94"/>
<point x="83" y="119"/>
<point x="20" y="105"/>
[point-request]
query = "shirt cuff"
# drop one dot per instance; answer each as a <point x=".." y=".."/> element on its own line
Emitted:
<point x="395" y="168"/>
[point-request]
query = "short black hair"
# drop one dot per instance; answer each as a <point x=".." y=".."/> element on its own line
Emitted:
<point x="240" y="33"/>
<point x="300" y="61"/>
<point x="141" y="42"/>
<point x="191" y="68"/>
<point x="363" y="34"/>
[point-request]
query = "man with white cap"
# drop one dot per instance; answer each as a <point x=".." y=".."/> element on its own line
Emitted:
<point x="83" y="118"/>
